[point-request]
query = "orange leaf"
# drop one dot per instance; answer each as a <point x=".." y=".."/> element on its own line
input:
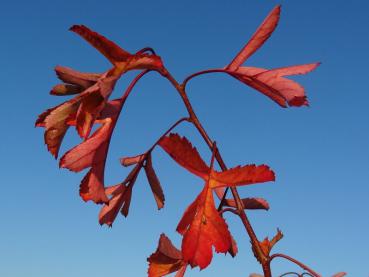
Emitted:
<point x="258" y="38"/>
<point x="241" y="175"/>
<point x="106" y="47"/>
<point x="182" y="151"/>
<point x="266" y="245"/>
<point x="154" y="183"/>
<point x="203" y="228"/>
<point x="166" y="259"/>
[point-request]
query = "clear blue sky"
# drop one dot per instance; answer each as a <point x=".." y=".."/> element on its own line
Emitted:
<point x="320" y="154"/>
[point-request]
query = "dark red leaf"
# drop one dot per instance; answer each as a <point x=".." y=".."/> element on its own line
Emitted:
<point x="71" y="76"/>
<point x="154" y="183"/>
<point x="66" y="89"/>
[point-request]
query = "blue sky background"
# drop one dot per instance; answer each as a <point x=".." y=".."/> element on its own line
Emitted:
<point x="320" y="154"/>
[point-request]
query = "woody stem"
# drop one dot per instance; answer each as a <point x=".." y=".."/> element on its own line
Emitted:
<point x="264" y="260"/>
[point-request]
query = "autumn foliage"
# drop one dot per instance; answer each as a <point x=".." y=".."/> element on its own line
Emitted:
<point x="202" y="225"/>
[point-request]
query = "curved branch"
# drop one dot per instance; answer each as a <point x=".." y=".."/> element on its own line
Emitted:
<point x="215" y="70"/>
<point x="234" y="211"/>
<point x="300" y="264"/>
<point x="290" y="273"/>
<point x="167" y="132"/>
<point x="133" y="83"/>
<point x="146" y="49"/>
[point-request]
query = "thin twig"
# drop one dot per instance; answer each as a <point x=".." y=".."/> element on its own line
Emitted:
<point x="234" y="211"/>
<point x="300" y="264"/>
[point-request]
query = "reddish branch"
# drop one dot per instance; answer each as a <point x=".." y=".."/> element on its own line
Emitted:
<point x="93" y="91"/>
<point x="300" y="264"/>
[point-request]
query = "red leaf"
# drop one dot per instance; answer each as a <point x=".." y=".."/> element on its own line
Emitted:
<point x="201" y="225"/>
<point x="166" y="259"/>
<point x="203" y="228"/>
<point x="289" y="70"/>
<point x="250" y="203"/>
<point x="123" y="60"/>
<point x="106" y="47"/>
<point x="340" y="274"/>
<point x="233" y="250"/>
<point x="66" y="89"/>
<point x="245" y="175"/>
<point x="71" y="76"/>
<point x="92" y="153"/>
<point x="272" y="83"/>
<point x="259" y="37"/>
<point x="93" y="101"/>
<point x="92" y="185"/>
<point x="121" y="195"/>
<point x="54" y="121"/>
<point x="127" y="161"/>
<point x="88" y="111"/>
<point x="154" y="183"/>
<point x="182" y="151"/>
<point x="86" y="106"/>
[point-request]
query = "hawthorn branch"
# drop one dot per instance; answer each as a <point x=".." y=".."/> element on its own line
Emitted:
<point x="167" y="132"/>
<point x="261" y="257"/>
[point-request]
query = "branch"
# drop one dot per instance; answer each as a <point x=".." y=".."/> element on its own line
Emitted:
<point x="261" y="257"/>
<point x="216" y="70"/>
<point x="300" y="264"/>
